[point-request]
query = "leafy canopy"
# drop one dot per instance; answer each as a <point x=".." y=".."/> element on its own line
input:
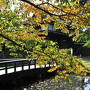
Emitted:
<point x="20" y="30"/>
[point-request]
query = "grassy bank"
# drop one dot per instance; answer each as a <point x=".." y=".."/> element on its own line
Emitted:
<point x="86" y="61"/>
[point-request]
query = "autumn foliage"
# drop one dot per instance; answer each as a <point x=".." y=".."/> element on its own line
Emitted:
<point x="21" y="34"/>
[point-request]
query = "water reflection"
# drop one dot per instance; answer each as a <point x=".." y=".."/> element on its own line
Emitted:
<point x="72" y="83"/>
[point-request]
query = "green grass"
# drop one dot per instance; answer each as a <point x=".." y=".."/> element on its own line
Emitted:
<point x="86" y="63"/>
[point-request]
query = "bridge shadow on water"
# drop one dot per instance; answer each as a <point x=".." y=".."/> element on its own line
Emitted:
<point x="19" y="80"/>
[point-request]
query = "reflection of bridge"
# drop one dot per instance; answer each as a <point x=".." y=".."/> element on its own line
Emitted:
<point x="8" y="66"/>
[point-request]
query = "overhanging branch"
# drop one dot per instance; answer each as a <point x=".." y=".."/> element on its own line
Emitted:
<point x="7" y="38"/>
<point x="46" y="11"/>
<point x="66" y="13"/>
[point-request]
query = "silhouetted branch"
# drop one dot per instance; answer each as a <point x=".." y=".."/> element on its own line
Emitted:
<point x="46" y="11"/>
<point x="13" y="42"/>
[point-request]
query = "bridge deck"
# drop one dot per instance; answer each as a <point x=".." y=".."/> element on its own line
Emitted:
<point x="8" y="66"/>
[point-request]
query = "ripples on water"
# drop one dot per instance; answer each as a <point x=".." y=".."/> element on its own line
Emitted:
<point x="72" y="83"/>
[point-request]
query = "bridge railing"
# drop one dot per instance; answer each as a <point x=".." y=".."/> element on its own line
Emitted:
<point x="11" y="66"/>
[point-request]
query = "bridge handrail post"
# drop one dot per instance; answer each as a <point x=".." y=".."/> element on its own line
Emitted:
<point x="29" y="64"/>
<point x="22" y="65"/>
<point x="15" y="67"/>
<point x="35" y="64"/>
<point x="45" y="65"/>
<point x="5" y="68"/>
<point x="49" y="64"/>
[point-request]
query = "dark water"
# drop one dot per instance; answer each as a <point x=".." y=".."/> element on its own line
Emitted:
<point x="71" y="83"/>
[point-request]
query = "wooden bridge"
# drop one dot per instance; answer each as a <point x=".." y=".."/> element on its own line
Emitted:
<point x="8" y="66"/>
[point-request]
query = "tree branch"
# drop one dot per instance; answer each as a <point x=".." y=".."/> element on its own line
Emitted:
<point x="46" y="11"/>
<point x="66" y="13"/>
<point x="7" y="38"/>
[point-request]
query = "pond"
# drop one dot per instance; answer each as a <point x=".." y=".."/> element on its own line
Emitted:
<point x="71" y="83"/>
